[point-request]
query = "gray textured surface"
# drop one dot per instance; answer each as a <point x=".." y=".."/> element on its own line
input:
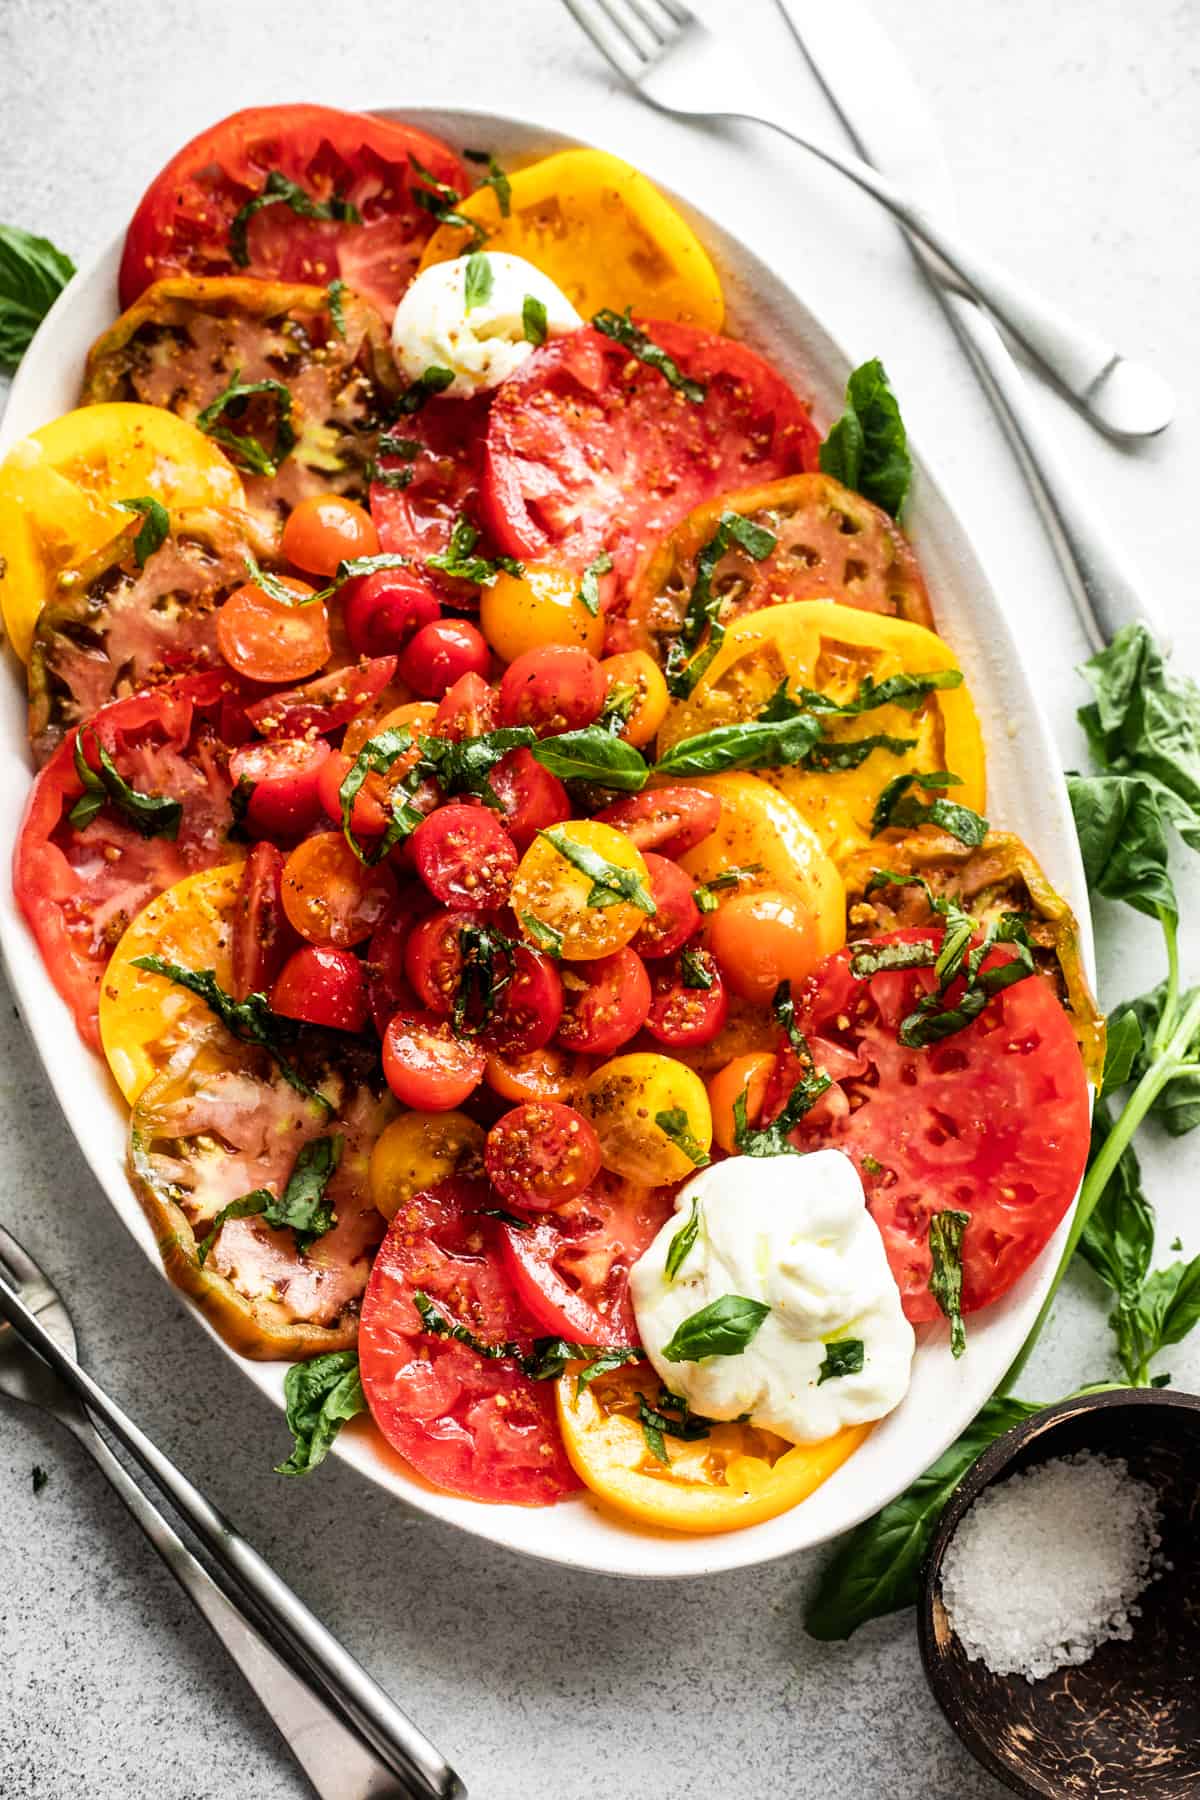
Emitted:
<point x="1074" y="134"/>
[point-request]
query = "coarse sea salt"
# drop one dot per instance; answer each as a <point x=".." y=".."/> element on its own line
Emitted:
<point x="1048" y="1565"/>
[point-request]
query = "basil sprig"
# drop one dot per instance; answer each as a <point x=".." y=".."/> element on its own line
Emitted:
<point x="868" y="447"/>
<point x="151" y="815"/>
<point x="897" y="806"/>
<point x="278" y="190"/>
<point x="302" y="1207"/>
<point x="621" y="328"/>
<point x="33" y="273"/>
<point x="722" y="1328"/>
<point x="946" y="1230"/>
<point x="321" y="1394"/>
<point x="460" y="561"/>
<point x="231" y="403"/>
<point x="686" y="663"/>
<point x="611" y="884"/>
<point x="844" y="1356"/>
<point x="155" y="527"/>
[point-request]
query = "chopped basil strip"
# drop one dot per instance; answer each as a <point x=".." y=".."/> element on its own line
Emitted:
<point x="683" y="1241"/>
<point x="464" y="765"/>
<point x="534" y="324"/>
<point x="845" y="1356"/>
<point x="868" y="447"/>
<point x="619" y="704"/>
<point x="675" y="1124"/>
<point x="670" y="1416"/>
<point x="478" y="282"/>
<point x="946" y="1230"/>
<point x="685" y="662"/>
<point x="155" y="527"/>
<point x="277" y="589"/>
<point x="722" y="1328"/>
<point x="214" y="422"/>
<point x="593" y="754"/>
<point x="321" y="1395"/>
<point x="441" y="200"/>
<point x="611" y="884"/>
<point x="459" y="559"/>
<point x="896" y="806"/>
<point x="33" y="273"/>
<point x="589" y="584"/>
<point x="548" y="1358"/>
<point x="376" y="758"/>
<point x="784" y="1008"/>
<point x="335" y="293"/>
<point x="302" y="1208"/>
<point x="696" y="969"/>
<point x="505" y="1217"/>
<point x="547" y="939"/>
<point x="151" y="815"/>
<point x="278" y="190"/>
<point x="487" y="970"/>
<point x="433" y="380"/>
<point x="495" y="178"/>
<point x="772" y="1139"/>
<point x="621" y="328"/>
<point x="406" y="448"/>
<point x="705" y="895"/>
<point x="756" y="745"/>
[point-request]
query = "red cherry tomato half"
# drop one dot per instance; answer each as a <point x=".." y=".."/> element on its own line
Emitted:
<point x="262" y="936"/>
<point x="323" y="705"/>
<point x="426" y="1066"/>
<point x="281" y="777"/>
<point x="441" y="653"/>
<point x="324" y="530"/>
<point x="677" y="916"/>
<point x="559" y="687"/>
<point x="671" y="820"/>
<point x="530" y="1007"/>
<point x="382" y="612"/>
<point x="266" y="639"/>
<point x="605" y="1002"/>
<point x="322" y="987"/>
<point x="332" y="898"/>
<point x="388" y="991"/>
<point x="472" y="1424"/>
<point x="465" y="857"/>
<point x="684" y="1014"/>
<point x="531" y="797"/>
<point x="369" y="815"/>
<point x="541" y="1155"/>
<point x="433" y="959"/>
<point x="523" y="1016"/>
<point x="466" y="710"/>
<point x="571" y="1268"/>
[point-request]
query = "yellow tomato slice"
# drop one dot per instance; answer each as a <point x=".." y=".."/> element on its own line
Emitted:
<point x="60" y="486"/>
<point x="625" y="1100"/>
<point x="144" y="1017"/>
<point x="602" y="233"/>
<point x="734" y="1477"/>
<point x="833" y="648"/>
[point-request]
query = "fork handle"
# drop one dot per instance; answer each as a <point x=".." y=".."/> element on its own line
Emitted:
<point x="405" y="1750"/>
<point x="336" y="1761"/>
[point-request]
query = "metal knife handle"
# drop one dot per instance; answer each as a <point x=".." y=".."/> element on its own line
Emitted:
<point x="335" y="1759"/>
<point x="405" y="1750"/>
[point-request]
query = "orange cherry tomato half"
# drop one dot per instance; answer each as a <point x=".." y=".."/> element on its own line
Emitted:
<point x="636" y="670"/>
<point x="332" y="898"/>
<point x="325" y="530"/>
<point x="545" y="1074"/>
<point x="426" y="1066"/>
<point x="747" y="1075"/>
<point x="541" y="1155"/>
<point x="266" y="639"/>
<point x="762" y="939"/>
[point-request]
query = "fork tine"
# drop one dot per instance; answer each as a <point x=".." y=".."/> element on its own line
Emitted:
<point x="661" y="29"/>
<point x="623" y="14"/>
<point x="613" y="46"/>
<point x="681" y="14"/>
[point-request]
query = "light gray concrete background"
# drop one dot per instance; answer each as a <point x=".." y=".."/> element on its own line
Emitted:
<point x="1074" y="132"/>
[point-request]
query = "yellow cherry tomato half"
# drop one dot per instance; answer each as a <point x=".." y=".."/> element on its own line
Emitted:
<point x="60" y="486"/>
<point x="762" y="938"/>
<point x="418" y="1150"/>
<point x="546" y="1074"/>
<point x="553" y="888"/>
<point x="637" y="671"/>
<point x="542" y="606"/>
<point x="736" y="1476"/>
<point x="746" y="1075"/>
<point x="652" y="1118"/>
<point x="603" y="234"/>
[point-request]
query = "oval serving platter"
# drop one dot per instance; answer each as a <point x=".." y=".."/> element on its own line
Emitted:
<point x="1026" y="794"/>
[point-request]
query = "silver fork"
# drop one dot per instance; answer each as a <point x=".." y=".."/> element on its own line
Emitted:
<point x="39" y="1365"/>
<point x="680" y="65"/>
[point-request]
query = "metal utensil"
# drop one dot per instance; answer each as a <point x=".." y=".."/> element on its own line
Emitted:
<point x="38" y="1365"/>
<point x="681" y="66"/>
<point x="870" y="88"/>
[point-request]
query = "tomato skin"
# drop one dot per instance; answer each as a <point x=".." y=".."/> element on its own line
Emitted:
<point x="677" y="915"/>
<point x="426" y="1066"/>
<point x="540" y="606"/>
<point x="541" y="1155"/>
<point x="323" y="705"/>
<point x="283" y="776"/>
<point x="418" y="1151"/>
<point x="266" y="639"/>
<point x="545" y="1074"/>
<point x="324" y="530"/>
<point x="382" y="612"/>
<point x="441" y="653"/>
<point x="686" y="1017"/>
<point x="474" y="1425"/>
<point x="670" y="820"/>
<point x="605" y="1002"/>
<point x="322" y="987"/>
<point x="749" y="1075"/>
<point x="531" y="797"/>
<point x="559" y="687"/>
<point x="330" y="897"/>
<point x="262" y="936"/>
<point x="761" y="939"/>
<point x="465" y="857"/>
<point x="466" y="710"/>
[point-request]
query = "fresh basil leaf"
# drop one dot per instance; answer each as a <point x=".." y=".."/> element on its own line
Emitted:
<point x="845" y="1356"/>
<point x="784" y="1008"/>
<point x="898" y="807"/>
<point x="696" y="969"/>
<point x="321" y="1395"/>
<point x="1118" y="1239"/>
<point x="433" y="380"/>
<point x="301" y="1208"/>
<point x="621" y="328"/>
<point x="606" y="878"/>
<point x="946" y="1230"/>
<point x="534" y="323"/>
<point x="722" y="1328"/>
<point x="460" y="561"/>
<point x="1144" y="723"/>
<point x="33" y="273"/>
<point x="376" y="757"/>
<point x="406" y="448"/>
<point x="589" y="583"/>
<point x="1169" y="1304"/>
<point x="151" y="815"/>
<point x="593" y="754"/>
<point x="279" y="190"/>
<point x="705" y="894"/>
<point x="774" y="1139"/>
<point x="247" y="1207"/>
<point x="478" y="282"/>
<point x="867" y="449"/>
<point x="683" y="1241"/>
<point x="336" y="295"/>
<point x="495" y="178"/>
<point x="1123" y="841"/>
<point x="675" y="1124"/>
<point x="547" y="939"/>
<point x="155" y="527"/>
<point x="464" y="765"/>
<point x="755" y="745"/>
<point x="1176" y="1106"/>
<point x="1122" y="1043"/>
<point x="486" y="970"/>
<point x="214" y="422"/>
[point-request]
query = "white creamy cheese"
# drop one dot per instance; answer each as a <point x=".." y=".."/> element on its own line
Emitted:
<point x="794" y="1233"/>
<point x="483" y="346"/>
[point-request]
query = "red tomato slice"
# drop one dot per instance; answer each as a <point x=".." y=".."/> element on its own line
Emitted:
<point x="531" y="797"/>
<point x="262" y="936"/>
<point x="322" y="705"/>
<point x="183" y="221"/>
<point x="541" y="1155"/>
<point x="571" y="1269"/>
<point x="605" y="1001"/>
<point x="426" y="1066"/>
<point x="589" y="450"/>
<point x="682" y="1014"/>
<point x="79" y="886"/>
<point x="416" y="521"/>
<point x="465" y="857"/>
<point x="677" y="915"/>
<point x="993" y="1121"/>
<point x="671" y="820"/>
<point x="322" y="987"/>
<point x="472" y="1424"/>
<point x="277" y="783"/>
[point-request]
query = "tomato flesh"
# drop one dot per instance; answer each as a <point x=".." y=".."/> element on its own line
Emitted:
<point x="466" y="710"/>
<point x="268" y="639"/>
<point x="426" y="1066"/>
<point x="465" y="857"/>
<point x="605" y="1002"/>
<point x="558" y="687"/>
<point x="685" y="1014"/>
<point x="531" y="798"/>
<point x="441" y="477"/>
<point x="671" y="820"/>
<point x="262" y="936"/>
<point x="322" y="987"/>
<point x="676" y="914"/>
<point x="541" y="1155"/>
<point x="330" y="897"/>
<point x="323" y="705"/>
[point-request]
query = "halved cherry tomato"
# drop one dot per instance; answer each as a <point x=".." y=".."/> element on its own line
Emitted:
<point x="322" y="987"/>
<point x="383" y="611"/>
<point x="671" y="820"/>
<point x="426" y="1066"/>
<point x="541" y="606"/>
<point x="324" y="530"/>
<point x="262" y="937"/>
<point x="546" y="1074"/>
<point x="685" y="1013"/>
<point x="465" y="857"/>
<point x="323" y="705"/>
<point x="433" y="958"/>
<point x="530" y="1007"/>
<point x="571" y="1267"/>
<point x="332" y="898"/>
<point x="541" y="1155"/>
<point x="522" y="1017"/>
<point x="631" y="1100"/>
<point x="442" y="652"/>
<point x="419" y="1150"/>
<point x="531" y="798"/>
<point x="635" y="671"/>
<point x="559" y="687"/>
<point x="761" y="939"/>
<point x="604" y="1003"/>
<point x="555" y="891"/>
<point x="388" y="991"/>
<point x="280" y="776"/>
<point x="749" y="1075"/>
<point x="266" y="639"/>
<point x="677" y="915"/>
<point x="475" y="1425"/>
<point x="466" y="710"/>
